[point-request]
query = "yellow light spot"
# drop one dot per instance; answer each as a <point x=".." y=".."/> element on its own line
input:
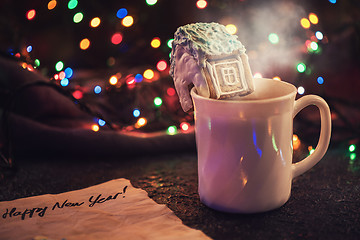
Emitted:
<point x="155" y="43"/>
<point x="277" y="78"/>
<point x="140" y="122"/>
<point x="127" y="21"/>
<point x="95" y="127"/>
<point x="231" y="28"/>
<point x="95" y="22"/>
<point x="148" y="74"/>
<point x="305" y="23"/>
<point x="84" y="44"/>
<point x="52" y="4"/>
<point x="296" y="142"/>
<point x="313" y="18"/>
<point x="113" y="80"/>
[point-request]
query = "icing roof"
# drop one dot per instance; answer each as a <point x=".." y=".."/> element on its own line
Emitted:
<point x="200" y="39"/>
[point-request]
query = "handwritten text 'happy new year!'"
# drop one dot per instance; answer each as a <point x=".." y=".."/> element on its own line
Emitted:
<point x="41" y="211"/>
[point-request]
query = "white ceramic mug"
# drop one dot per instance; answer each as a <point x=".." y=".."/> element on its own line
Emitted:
<point x="245" y="146"/>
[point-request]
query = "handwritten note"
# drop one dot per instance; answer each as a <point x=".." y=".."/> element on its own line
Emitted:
<point x="112" y="210"/>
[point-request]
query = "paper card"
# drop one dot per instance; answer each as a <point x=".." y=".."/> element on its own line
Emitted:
<point x="112" y="210"/>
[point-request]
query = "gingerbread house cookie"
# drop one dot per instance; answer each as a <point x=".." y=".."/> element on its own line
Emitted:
<point x="207" y="56"/>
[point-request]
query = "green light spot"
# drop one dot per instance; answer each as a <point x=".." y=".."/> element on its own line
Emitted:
<point x="72" y="4"/>
<point x="37" y="62"/>
<point x="314" y="46"/>
<point x="301" y="67"/>
<point x="352" y="156"/>
<point x="78" y="17"/>
<point x="172" y="130"/>
<point x="151" y="2"/>
<point x="157" y="101"/>
<point x="352" y="148"/>
<point x="311" y="151"/>
<point x="273" y="38"/>
<point x="169" y="43"/>
<point x="59" y="66"/>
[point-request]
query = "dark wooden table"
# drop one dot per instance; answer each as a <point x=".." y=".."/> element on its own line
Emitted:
<point x="325" y="202"/>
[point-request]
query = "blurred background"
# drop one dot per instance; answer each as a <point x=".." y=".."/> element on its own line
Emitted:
<point x="114" y="55"/>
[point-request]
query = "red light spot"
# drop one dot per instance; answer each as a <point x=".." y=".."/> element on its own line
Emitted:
<point x="171" y="91"/>
<point x="116" y="38"/>
<point x="161" y="65"/>
<point x="77" y="94"/>
<point x="30" y="15"/>
<point x="184" y="126"/>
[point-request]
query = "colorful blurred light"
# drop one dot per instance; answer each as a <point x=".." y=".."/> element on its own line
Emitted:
<point x="151" y="2"/>
<point x="184" y="126"/>
<point x="314" y="46"/>
<point x="30" y="15"/>
<point x="121" y="13"/>
<point x="138" y="78"/>
<point x="301" y="90"/>
<point x="68" y="72"/>
<point x="148" y="74"/>
<point x="305" y="23"/>
<point x="352" y="148"/>
<point x="313" y="18"/>
<point x="101" y="122"/>
<point x="37" y="62"/>
<point x="231" y="28"/>
<point x="277" y="78"/>
<point x="296" y="142"/>
<point x="171" y="91"/>
<point x="97" y="89"/>
<point x="62" y="75"/>
<point x="59" y="66"/>
<point x="52" y="4"/>
<point x="127" y="21"/>
<point x="172" y="130"/>
<point x="95" y="127"/>
<point x="273" y="38"/>
<point x="64" y="82"/>
<point x="140" y="122"/>
<point x="332" y="1"/>
<point x="84" y="44"/>
<point x="29" y="48"/>
<point x="155" y="42"/>
<point x="95" y="22"/>
<point x="113" y="80"/>
<point x="136" y="112"/>
<point x="78" y="17"/>
<point x="320" y="80"/>
<point x="116" y="38"/>
<point x="77" y="94"/>
<point x="161" y="65"/>
<point x="169" y="42"/>
<point x="72" y="4"/>
<point x="301" y="67"/>
<point x="157" y="101"/>
<point x="257" y="75"/>
<point x="201" y="4"/>
<point x="319" y="35"/>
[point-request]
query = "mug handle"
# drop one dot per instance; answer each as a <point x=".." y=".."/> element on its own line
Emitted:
<point x="325" y="133"/>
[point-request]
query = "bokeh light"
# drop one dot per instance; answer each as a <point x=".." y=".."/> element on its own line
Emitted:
<point x="157" y="102"/>
<point x="52" y="4"/>
<point x="148" y="74"/>
<point x="127" y="21"/>
<point x="161" y="65"/>
<point x="116" y="38"/>
<point x="257" y="75"/>
<point x="352" y="148"/>
<point x="136" y="112"/>
<point x="277" y="78"/>
<point x="101" y="122"/>
<point x="172" y="130"/>
<point x="140" y="122"/>
<point x="169" y="43"/>
<point x="59" y="66"/>
<point x="332" y="1"/>
<point x="319" y="35"/>
<point x="95" y="127"/>
<point x="77" y="94"/>
<point x="305" y="23"/>
<point x="296" y="142"/>
<point x="151" y="2"/>
<point x="231" y="28"/>
<point x="184" y="126"/>
<point x="29" y="48"/>
<point x="155" y="42"/>
<point x="313" y="18"/>
<point x="301" y="67"/>
<point x="138" y="78"/>
<point x="78" y="17"/>
<point x="30" y="15"/>
<point x="113" y="80"/>
<point x="201" y="4"/>
<point x="301" y="90"/>
<point x="171" y="91"/>
<point x="95" y="22"/>
<point x="121" y="13"/>
<point x="97" y="89"/>
<point x="84" y="44"/>
<point x="72" y="4"/>
<point x="37" y="62"/>
<point x="273" y="38"/>
<point x="320" y="80"/>
<point x="64" y="82"/>
<point x="68" y="72"/>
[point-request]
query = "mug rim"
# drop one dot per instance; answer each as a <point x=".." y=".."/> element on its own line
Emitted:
<point x="194" y="94"/>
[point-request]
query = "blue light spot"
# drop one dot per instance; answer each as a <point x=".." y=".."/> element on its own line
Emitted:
<point x="136" y="112"/>
<point x="97" y="89"/>
<point x="255" y="143"/>
<point x="138" y="78"/>
<point x="64" y="82"/>
<point x="101" y="122"/>
<point x="68" y="72"/>
<point x="320" y="80"/>
<point x="29" y="49"/>
<point x="121" y="13"/>
<point x="332" y="1"/>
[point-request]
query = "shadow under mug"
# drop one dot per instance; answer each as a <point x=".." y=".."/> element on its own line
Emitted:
<point x="245" y="147"/>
